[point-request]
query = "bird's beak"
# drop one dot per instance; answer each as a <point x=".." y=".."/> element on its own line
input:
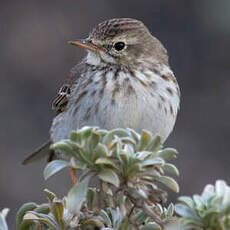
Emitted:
<point x="86" y="44"/>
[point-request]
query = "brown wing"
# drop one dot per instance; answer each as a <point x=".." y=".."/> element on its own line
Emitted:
<point x="61" y="100"/>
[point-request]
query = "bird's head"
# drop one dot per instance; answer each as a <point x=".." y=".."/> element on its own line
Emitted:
<point x="122" y="41"/>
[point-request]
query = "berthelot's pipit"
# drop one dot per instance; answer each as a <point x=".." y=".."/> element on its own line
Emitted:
<point x="124" y="81"/>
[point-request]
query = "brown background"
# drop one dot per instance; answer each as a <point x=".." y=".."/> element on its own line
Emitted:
<point x="35" y="59"/>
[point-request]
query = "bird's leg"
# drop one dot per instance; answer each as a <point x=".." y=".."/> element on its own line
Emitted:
<point x="73" y="175"/>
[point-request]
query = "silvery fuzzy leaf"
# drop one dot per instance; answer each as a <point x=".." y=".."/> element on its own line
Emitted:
<point x="226" y="195"/>
<point x="50" y="195"/>
<point x="209" y="188"/>
<point x="155" y="144"/>
<point x="136" y="136"/>
<point x="198" y="201"/>
<point x="220" y="187"/>
<point x="86" y="131"/>
<point x="107" y="189"/>
<point x="43" y="208"/>
<point x="187" y="201"/>
<point x="105" y="161"/>
<point x="151" y="226"/>
<point x="74" y="136"/>
<point x="95" y="223"/>
<point x="91" y="196"/>
<point x="170" y="210"/>
<point x="141" y="217"/>
<point x="63" y="145"/>
<point x="115" y="132"/>
<point x="76" y="164"/>
<point x="124" y="158"/>
<point x="76" y="196"/>
<point x="106" y="218"/>
<point x="152" y="162"/>
<point x="170" y="168"/>
<point x="129" y="149"/>
<point x="108" y="175"/>
<point x="99" y="151"/>
<point x="49" y="221"/>
<point x="144" y="155"/>
<point x="57" y="209"/>
<point x="189" y="223"/>
<point x="146" y="137"/>
<point x="169" y="182"/>
<point x="185" y="211"/>
<point x="53" y="167"/>
<point x="125" y="225"/>
<point x="22" y="211"/>
<point x="94" y="140"/>
<point x="117" y="217"/>
<point x="128" y="140"/>
<point x="3" y="214"/>
<point x="167" y="154"/>
<point x="102" y="132"/>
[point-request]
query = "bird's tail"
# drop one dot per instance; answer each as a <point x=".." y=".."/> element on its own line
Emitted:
<point x="40" y="153"/>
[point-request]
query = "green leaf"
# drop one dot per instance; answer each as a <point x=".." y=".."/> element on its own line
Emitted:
<point x="77" y="164"/>
<point x="125" y="225"/>
<point x="115" y="132"/>
<point x="170" y="168"/>
<point x="155" y="144"/>
<point x="86" y="131"/>
<point x="106" y="188"/>
<point x="74" y="136"/>
<point x="198" y="201"/>
<point x="152" y="162"/>
<point x="170" y="210"/>
<point x="105" y="161"/>
<point x="187" y="201"/>
<point x="185" y="211"/>
<point x="76" y="196"/>
<point x="192" y="223"/>
<point x="53" y="167"/>
<point x="108" y="175"/>
<point x="94" y="140"/>
<point x="3" y="214"/>
<point x="169" y="182"/>
<point x="91" y="193"/>
<point x="141" y="217"/>
<point x="100" y="151"/>
<point x="167" y="154"/>
<point x="106" y="218"/>
<point x="92" y="222"/>
<point x="50" y="195"/>
<point x="151" y="226"/>
<point x="220" y="187"/>
<point x="58" y="211"/>
<point x="42" y="218"/>
<point x="65" y="146"/>
<point x="22" y="211"/>
<point x="27" y="225"/>
<point x="136" y="136"/>
<point x="145" y="140"/>
<point x="43" y="208"/>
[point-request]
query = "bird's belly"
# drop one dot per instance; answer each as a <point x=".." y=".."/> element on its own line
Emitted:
<point x="136" y="112"/>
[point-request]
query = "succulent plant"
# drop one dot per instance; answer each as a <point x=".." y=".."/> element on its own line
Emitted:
<point x="56" y="215"/>
<point x="128" y="168"/>
<point x="208" y="211"/>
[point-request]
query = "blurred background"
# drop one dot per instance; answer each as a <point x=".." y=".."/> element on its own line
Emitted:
<point x="35" y="59"/>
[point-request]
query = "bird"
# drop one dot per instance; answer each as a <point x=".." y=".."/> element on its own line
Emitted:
<point x="124" y="81"/>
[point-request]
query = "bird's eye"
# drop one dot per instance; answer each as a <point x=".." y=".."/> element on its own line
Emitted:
<point x="119" y="46"/>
